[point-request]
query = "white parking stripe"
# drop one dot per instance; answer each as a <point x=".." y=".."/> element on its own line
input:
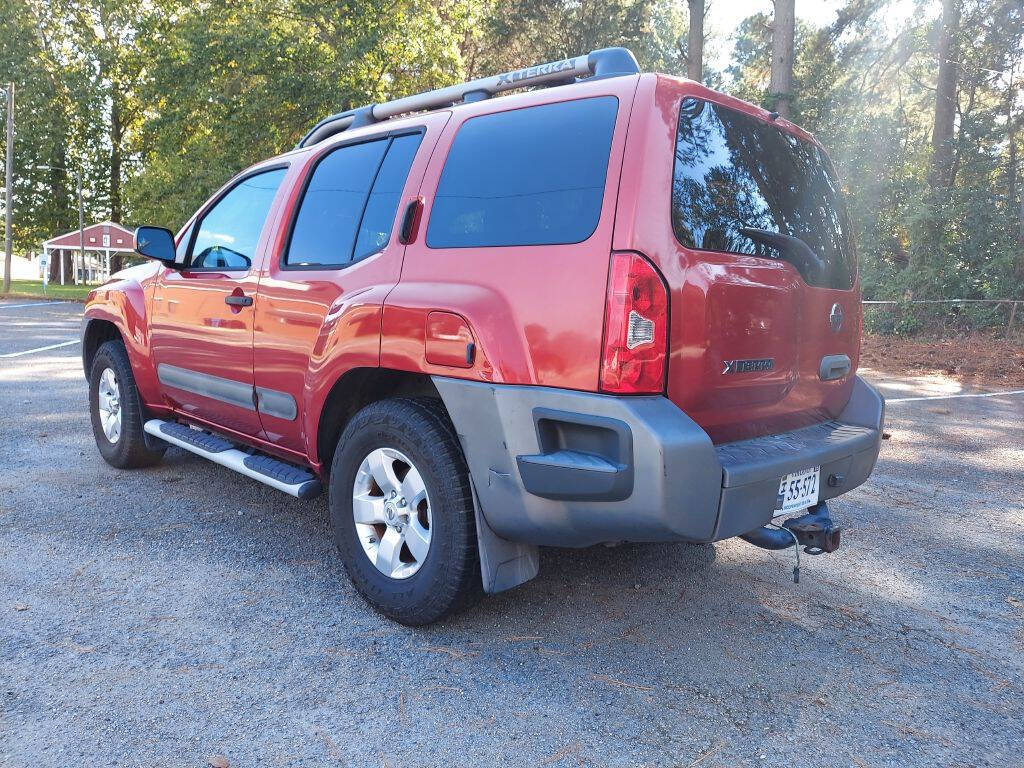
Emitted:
<point x="41" y="349"/>
<point x="952" y="397"/>
<point x="33" y="304"/>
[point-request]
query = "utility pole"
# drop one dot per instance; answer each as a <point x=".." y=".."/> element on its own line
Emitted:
<point x="9" y="189"/>
<point x="81" y="225"/>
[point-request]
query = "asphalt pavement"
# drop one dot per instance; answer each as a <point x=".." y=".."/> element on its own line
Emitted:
<point x="185" y="616"/>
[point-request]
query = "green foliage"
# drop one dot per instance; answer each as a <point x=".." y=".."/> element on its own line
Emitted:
<point x="224" y="92"/>
<point x="868" y="94"/>
<point x="45" y="112"/>
<point x="202" y="90"/>
<point x="523" y="32"/>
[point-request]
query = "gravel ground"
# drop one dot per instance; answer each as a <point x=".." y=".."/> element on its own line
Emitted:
<point x="183" y="616"/>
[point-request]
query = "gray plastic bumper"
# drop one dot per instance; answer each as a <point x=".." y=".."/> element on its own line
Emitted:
<point x="563" y="468"/>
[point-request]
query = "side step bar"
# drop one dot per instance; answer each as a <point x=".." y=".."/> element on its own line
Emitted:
<point x="293" y="480"/>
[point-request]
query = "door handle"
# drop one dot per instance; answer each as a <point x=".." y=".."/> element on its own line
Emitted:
<point x="411" y="221"/>
<point x="238" y="301"/>
<point x="834" y="367"/>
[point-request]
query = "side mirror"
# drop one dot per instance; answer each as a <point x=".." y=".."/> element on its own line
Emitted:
<point x="156" y="243"/>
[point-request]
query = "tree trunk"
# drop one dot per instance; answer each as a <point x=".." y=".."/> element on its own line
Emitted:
<point x="782" y="56"/>
<point x="61" y="201"/>
<point x="695" y="42"/>
<point x="116" y="138"/>
<point x="69" y="267"/>
<point x="60" y="188"/>
<point x="1011" y="137"/>
<point x="1020" y="245"/>
<point x="1011" y="174"/>
<point x="945" y="96"/>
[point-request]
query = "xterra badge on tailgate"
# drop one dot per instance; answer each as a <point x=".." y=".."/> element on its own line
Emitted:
<point x="748" y="366"/>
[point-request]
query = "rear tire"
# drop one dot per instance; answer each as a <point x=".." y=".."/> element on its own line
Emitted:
<point x="413" y="559"/>
<point x="116" y="410"/>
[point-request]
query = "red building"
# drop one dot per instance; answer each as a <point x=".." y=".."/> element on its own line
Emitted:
<point x="99" y="240"/>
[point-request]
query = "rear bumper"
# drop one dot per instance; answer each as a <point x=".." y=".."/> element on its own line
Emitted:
<point x="562" y="468"/>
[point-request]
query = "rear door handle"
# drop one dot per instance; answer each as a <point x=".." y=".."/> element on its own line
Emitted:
<point x="411" y="221"/>
<point x="834" y="367"/>
<point x="238" y="301"/>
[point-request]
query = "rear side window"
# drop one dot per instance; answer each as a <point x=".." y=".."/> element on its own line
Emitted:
<point x="348" y="209"/>
<point x="735" y="173"/>
<point x="379" y="217"/>
<point x="230" y="231"/>
<point x="531" y="176"/>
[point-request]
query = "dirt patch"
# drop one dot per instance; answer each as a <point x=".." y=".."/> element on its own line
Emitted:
<point x="976" y="358"/>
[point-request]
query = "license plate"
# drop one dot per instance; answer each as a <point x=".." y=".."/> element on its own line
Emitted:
<point x="798" y="490"/>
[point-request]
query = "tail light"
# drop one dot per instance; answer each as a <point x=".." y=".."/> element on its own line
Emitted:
<point x="635" y="350"/>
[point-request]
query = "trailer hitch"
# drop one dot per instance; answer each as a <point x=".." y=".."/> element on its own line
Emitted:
<point x="814" y="530"/>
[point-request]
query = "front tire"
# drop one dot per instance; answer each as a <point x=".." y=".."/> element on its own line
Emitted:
<point x="116" y="410"/>
<point x="402" y="511"/>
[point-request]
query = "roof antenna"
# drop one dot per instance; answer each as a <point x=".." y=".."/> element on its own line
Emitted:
<point x="773" y="115"/>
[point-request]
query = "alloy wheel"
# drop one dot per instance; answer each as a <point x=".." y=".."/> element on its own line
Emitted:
<point x="392" y="513"/>
<point x="109" y="402"/>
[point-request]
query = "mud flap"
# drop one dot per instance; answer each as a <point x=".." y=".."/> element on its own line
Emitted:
<point x="503" y="564"/>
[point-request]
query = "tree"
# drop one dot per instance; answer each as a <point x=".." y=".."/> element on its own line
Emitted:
<point x="32" y="59"/>
<point x="518" y="33"/>
<point x="782" y="56"/>
<point x="104" y="37"/>
<point x="695" y="41"/>
<point x="945" y="95"/>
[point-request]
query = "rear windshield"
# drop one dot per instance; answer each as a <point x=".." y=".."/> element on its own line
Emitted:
<point x="530" y="176"/>
<point x="733" y="171"/>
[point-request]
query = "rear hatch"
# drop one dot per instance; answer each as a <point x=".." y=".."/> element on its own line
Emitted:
<point x="755" y="245"/>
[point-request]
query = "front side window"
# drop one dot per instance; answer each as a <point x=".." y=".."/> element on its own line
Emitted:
<point x="230" y="231"/>
<point x="737" y="180"/>
<point x="349" y="206"/>
<point x="530" y="176"/>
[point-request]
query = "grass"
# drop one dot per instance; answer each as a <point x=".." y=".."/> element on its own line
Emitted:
<point x="34" y="289"/>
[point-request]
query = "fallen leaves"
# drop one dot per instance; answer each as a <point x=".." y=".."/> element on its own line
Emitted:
<point x="973" y="358"/>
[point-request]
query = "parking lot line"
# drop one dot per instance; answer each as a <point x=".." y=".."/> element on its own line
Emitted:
<point x="33" y="304"/>
<point x="40" y="349"/>
<point x="952" y="397"/>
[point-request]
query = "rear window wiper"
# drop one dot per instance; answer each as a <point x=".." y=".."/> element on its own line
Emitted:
<point x="791" y="249"/>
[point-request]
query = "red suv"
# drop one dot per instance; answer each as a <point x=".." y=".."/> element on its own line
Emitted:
<point x="615" y="307"/>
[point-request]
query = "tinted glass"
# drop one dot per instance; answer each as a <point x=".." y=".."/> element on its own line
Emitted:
<point x="532" y="176"/>
<point x="328" y="220"/>
<point x="733" y="171"/>
<point x="379" y="217"/>
<point x="230" y="231"/>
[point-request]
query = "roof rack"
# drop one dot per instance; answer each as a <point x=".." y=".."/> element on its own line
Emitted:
<point x="604" y="62"/>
